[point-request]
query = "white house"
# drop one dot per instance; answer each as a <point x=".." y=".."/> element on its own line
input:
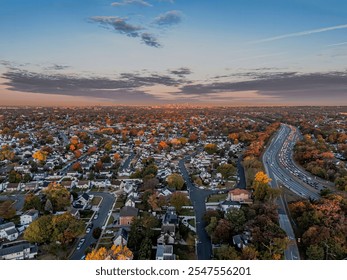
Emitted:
<point x="28" y="217"/>
<point x="121" y="237"/>
<point x="18" y="250"/>
<point x="8" y="231"/>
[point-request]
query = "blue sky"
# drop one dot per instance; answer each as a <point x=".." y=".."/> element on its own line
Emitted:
<point x="240" y="52"/>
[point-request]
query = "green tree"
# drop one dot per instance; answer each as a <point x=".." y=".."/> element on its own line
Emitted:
<point x="96" y="232"/>
<point x="315" y="252"/>
<point x="145" y="249"/>
<point x="14" y="177"/>
<point x="40" y="231"/>
<point x="175" y="181"/>
<point x="32" y="201"/>
<point x="7" y="210"/>
<point x="210" y="228"/>
<point x="237" y="218"/>
<point x="226" y="252"/>
<point x="227" y="170"/>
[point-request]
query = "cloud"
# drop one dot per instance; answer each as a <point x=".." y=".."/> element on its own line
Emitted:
<point x="288" y="85"/>
<point x="118" y="24"/>
<point x="131" y="2"/>
<point x="338" y="44"/>
<point x="121" y="26"/>
<point x="168" y="18"/>
<point x="303" y="33"/>
<point x="57" y="67"/>
<point x="169" y="1"/>
<point x="127" y="86"/>
<point x="150" y="40"/>
<point x="181" y="72"/>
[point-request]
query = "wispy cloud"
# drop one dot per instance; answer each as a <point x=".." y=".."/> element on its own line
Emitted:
<point x="118" y="24"/>
<point x="302" y="33"/>
<point x="338" y="44"/>
<point x="181" y="72"/>
<point x="131" y="2"/>
<point x="168" y="18"/>
<point x="121" y="26"/>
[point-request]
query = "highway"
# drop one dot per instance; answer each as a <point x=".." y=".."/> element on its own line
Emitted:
<point x="276" y="173"/>
<point x="278" y="159"/>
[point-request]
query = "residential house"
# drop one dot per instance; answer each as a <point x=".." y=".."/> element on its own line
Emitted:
<point x="167" y="234"/>
<point x="127" y="214"/>
<point x="121" y="237"/>
<point x="8" y="231"/>
<point x="130" y="201"/>
<point x="241" y="240"/>
<point x="239" y="195"/>
<point x="18" y="250"/>
<point x="28" y="217"/>
<point x="75" y="212"/>
<point x="227" y="204"/>
<point x="165" y="252"/>
<point x="170" y="216"/>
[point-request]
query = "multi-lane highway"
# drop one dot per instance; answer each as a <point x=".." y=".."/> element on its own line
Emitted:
<point x="270" y="159"/>
<point x="278" y="159"/>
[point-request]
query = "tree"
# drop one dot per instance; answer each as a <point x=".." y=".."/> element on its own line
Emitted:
<point x="40" y="231"/>
<point x="222" y="232"/>
<point x="7" y="210"/>
<point x="32" y="201"/>
<point x="249" y="253"/>
<point x="226" y="252"/>
<point x="96" y="232"/>
<point x="227" y="170"/>
<point x="150" y="183"/>
<point x="14" y="177"/>
<point x="58" y="195"/>
<point x="211" y="226"/>
<point x="237" y="218"/>
<point x="178" y="200"/>
<point x="315" y="252"/>
<point x="145" y="249"/>
<point x="66" y="228"/>
<point x="40" y="155"/>
<point x="175" y="181"/>
<point x="77" y="166"/>
<point x="210" y="148"/>
<point x="115" y="253"/>
<point x="262" y="190"/>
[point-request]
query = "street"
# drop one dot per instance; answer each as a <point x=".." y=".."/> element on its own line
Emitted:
<point x="105" y="207"/>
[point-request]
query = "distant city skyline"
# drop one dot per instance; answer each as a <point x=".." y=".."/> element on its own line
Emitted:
<point x="157" y="52"/>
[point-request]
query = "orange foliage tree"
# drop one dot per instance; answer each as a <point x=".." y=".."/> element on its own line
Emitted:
<point x="40" y="155"/>
<point x="115" y="253"/>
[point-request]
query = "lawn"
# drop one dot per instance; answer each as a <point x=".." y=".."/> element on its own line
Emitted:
<point x="187" y="212"/>
<point x="86" y="214"/>
<point x="192" y="222"/>
<point x="96" y="200"/>
<point x="217" y="197"/>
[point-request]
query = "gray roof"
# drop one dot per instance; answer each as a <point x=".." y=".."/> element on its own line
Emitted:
<point x="123" y="233"/>
<point x="128" y="211"/>
<point x="7" y="225"/>
<point x="16" y="247"/>
<point x="11" y="231"/>
<point x="31" y="212"/>
<point x="165" y="252"/>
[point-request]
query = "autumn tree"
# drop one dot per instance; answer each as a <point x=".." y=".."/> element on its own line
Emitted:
<point x="211" y="148"/>
<point x="226" y="252"/>
<point x="115" y="253"/>
<point x="66" y="228"/>
<point x="40" y="156"/>
<point x="175" y="181"/>
<point x="6" y="153"/>
<point x="262" y="190"/>
<point x="77" y="166"/>
<point x="32" y="201"/>
<point x="7" y="209"/>
<point x="40" y="231"/>
<point x="227" y="170"/>
<point x="58" y="195"/>
<point x="178" y="200"/>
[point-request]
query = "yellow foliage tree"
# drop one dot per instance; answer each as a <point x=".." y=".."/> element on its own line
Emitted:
<point x="115" y="253"/>
<point x="40" y="155"/>
<point x="262" y="178"/>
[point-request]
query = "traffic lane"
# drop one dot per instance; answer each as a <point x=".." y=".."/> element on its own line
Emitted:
<point x="105" y="207"/>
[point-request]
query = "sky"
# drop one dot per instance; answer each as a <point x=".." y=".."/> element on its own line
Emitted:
<point x="153" y="52"/>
